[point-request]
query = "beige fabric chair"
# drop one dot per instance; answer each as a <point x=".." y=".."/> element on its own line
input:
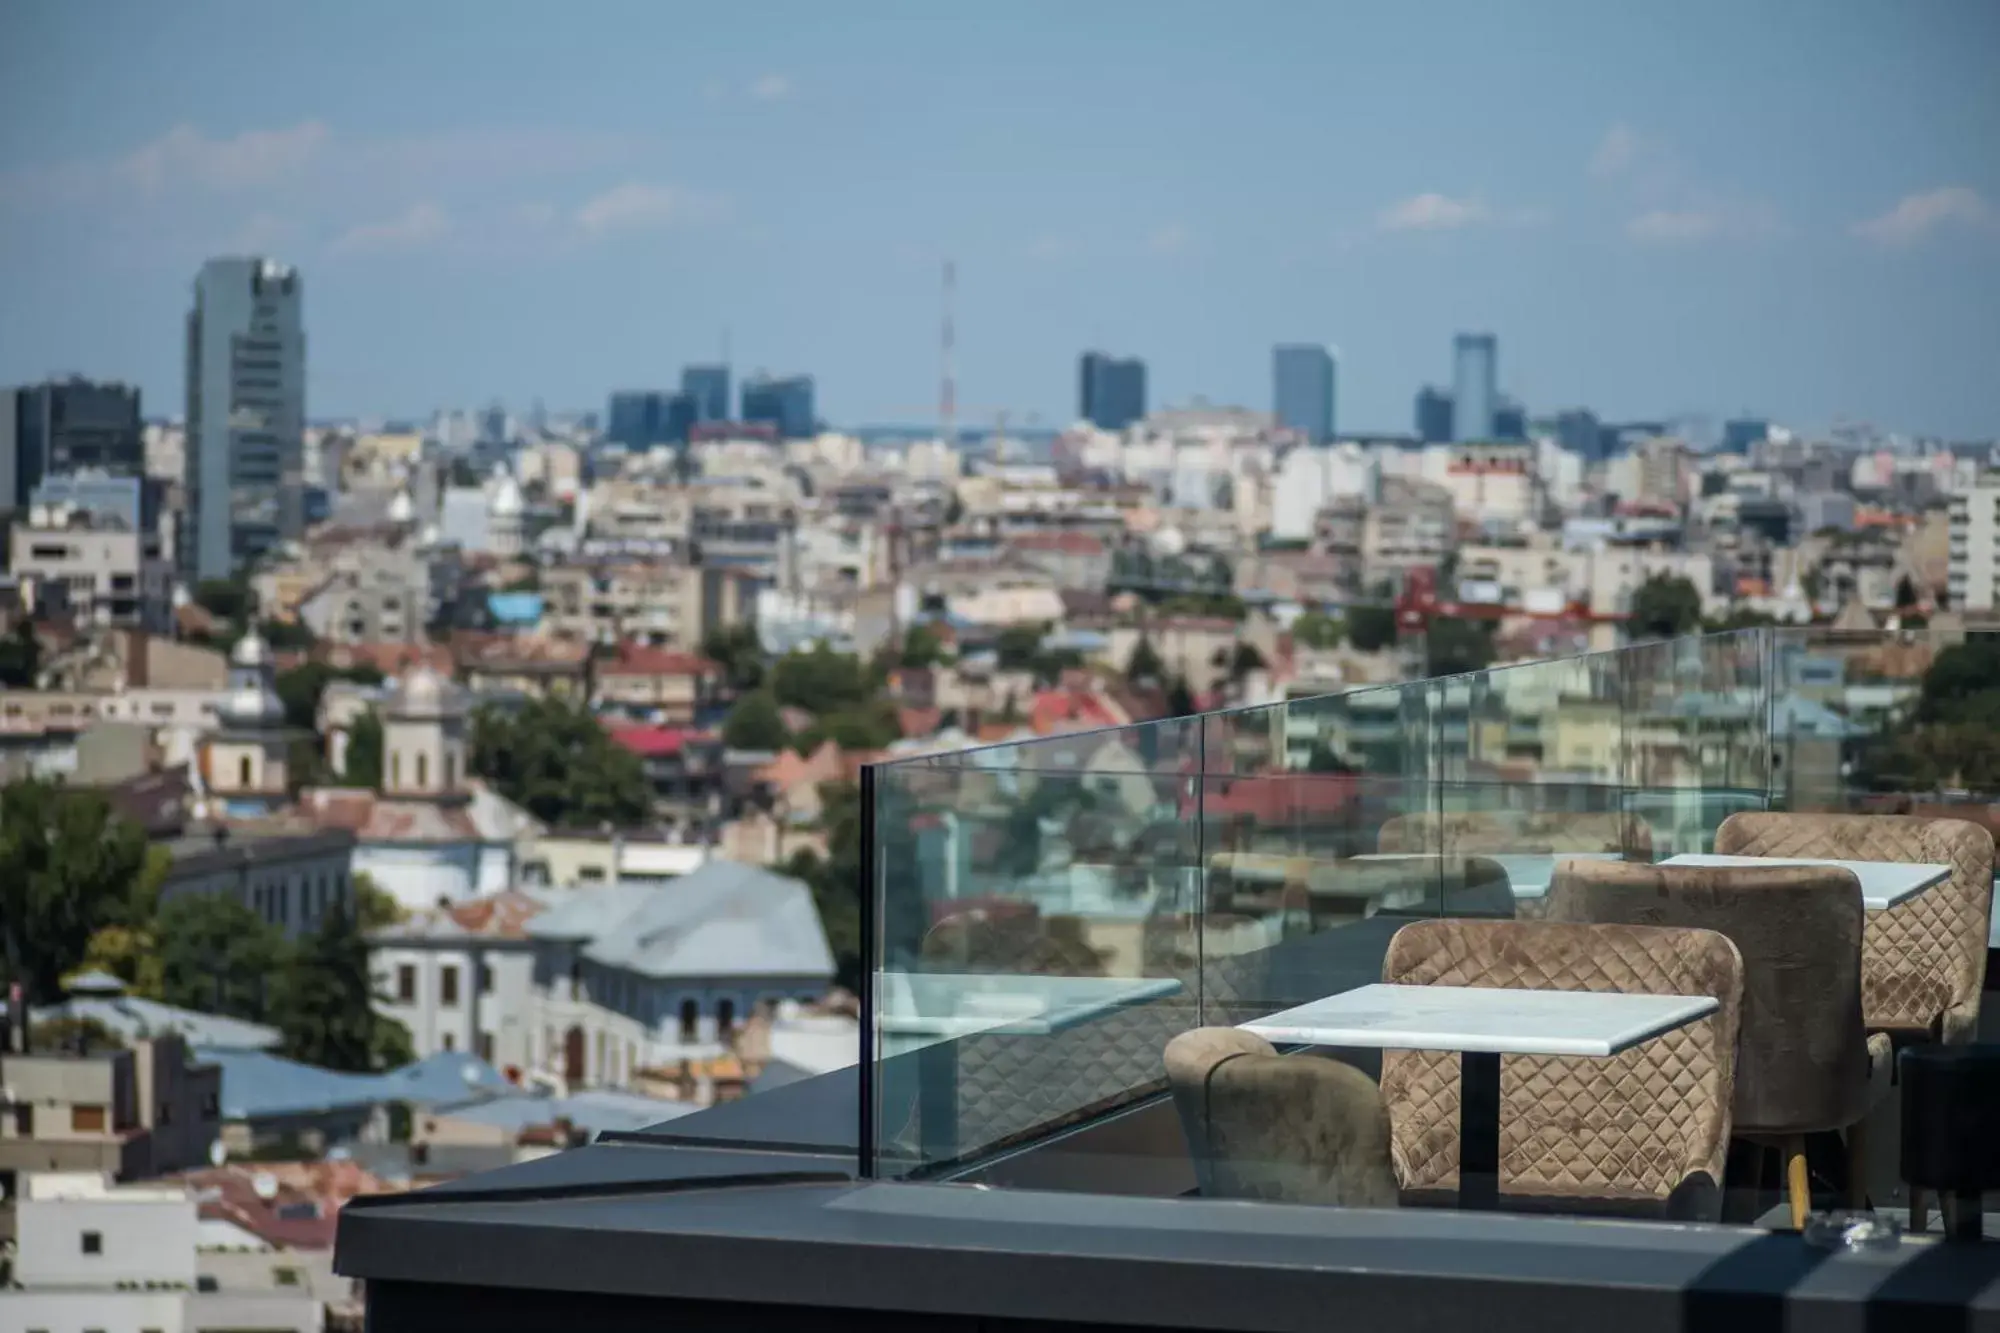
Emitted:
<point x="1923" y="961"/>
<point x="1643" y="1132"/>
<point x="1547" y="831"/>
<point x="1804" y="1063"/>
<point x="1296" y="1129"/>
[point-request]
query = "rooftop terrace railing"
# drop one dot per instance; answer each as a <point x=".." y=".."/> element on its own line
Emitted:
<point x="1043" y="917"/>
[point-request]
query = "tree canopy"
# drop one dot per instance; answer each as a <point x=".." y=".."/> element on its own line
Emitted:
<point x="921" y="647"/>
<point x="1317" y="629"/>
<point x="755" y="723"/>
<point x="300" y="688"/>
<point x="1371" y="628"/>
<point x="322" y="1002"/>
<point x="820" y="680"/>
<point x="1665" y="606"/>
<point x="836" y="879"/>
<point x="20" y="657"/>
<point x="69" y="866"/>
<point x="555" y="761"/>
<point x="363" y="758"/>
<point x="740" y="654"/>
<point x="218" y="956"/>
<point x="1453" y="646"/>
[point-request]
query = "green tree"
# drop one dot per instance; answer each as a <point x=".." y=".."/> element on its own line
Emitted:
<point x="921" y="647"/>
<point x="20" y="657"/>
<point x="740" y="654"/>
<point x="1317" y="629"/>
<point x="1371" y="628"/>
<point x="218" y="956"/>
<point x="323" y="1001"/>
<point x="1018" y="646"/>
<point x="1243" y="660"/>
<point x="1665" y="606"/>
<point x="1180" y="699"/>
<point x="287" y="635"/>
<point x="301" y="688"/>
<point x="1145" y="663"/>
<point x="1453" y="646"/>
<point x="374" y="906"/>
<point x="228" y="599"/>
<point x="555" y="761"/>
<point x="755" y="724"/>
<point x="820" y="680"/>
<point x="865" y="726"/>
<point x="835" y="879"/>
<point x="364" y="752"/>
<point x="69" y="866"/>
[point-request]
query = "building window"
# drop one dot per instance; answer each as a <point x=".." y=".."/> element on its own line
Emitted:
<point x="395" y="768"/>
<point x="690" y="1019"/>
<point x="406" y="983"/>
<point x="86" y="1119"/>
<point x="486" y="1047"/>
<point x="93" y="1242"/>
<point x="485" y="979"/>
<point x="243" y="772"/>
<point x="725" y="1017"/>
<point x="423" y="771"/>
<point x="450" y="772"/>
<point x="451" y="1041"/>
<point x="448" y="984"/>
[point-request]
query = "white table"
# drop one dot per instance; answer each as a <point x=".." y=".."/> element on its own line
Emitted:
<point x="1883" y="883"/>
<point x="1482" y="1024"/>
<point x="1528" y="873"/>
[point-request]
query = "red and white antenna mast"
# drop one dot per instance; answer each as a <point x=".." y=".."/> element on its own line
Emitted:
<point x="948" y="388"/>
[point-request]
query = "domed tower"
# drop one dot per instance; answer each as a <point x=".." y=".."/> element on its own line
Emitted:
<point x="244" y="759"/>
<point x="505" y="512"/>
<point x="423" y="738"/>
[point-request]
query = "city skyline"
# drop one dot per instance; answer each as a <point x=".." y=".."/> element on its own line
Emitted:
<point x="1685" y="250"/>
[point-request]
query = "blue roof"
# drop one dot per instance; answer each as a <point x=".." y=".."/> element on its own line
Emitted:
<point x="595" y="1111"/>
<point x="134" y="1019"/>
<point x="257" y="1085"/>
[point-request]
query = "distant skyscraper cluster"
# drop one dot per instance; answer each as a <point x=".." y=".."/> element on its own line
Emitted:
<point x="64" y="426"/>
<point x="1474" y="408"/>
<point x="1303" y="390"/>
<point x="643" y="418"/>
<point x="1111" y="391"/>
<point x="246" y="408"/>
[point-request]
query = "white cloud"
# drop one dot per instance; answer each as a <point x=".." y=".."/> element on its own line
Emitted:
<point x="421" y="225"/>
<point x="1917" y="215"/>
<point x="1432" y="212"/>
<point x="254" y="157"/>
<point x="1708" y="221"/>
<point x="770" y="88"/>
<point x="635" y="206"/>
<point x="1617" y="151"/>
<point x="1666" y="226"/>
<point x="1172" y="239"/>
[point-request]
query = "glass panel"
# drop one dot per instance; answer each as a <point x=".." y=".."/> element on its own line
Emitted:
<point x="1318" y="840"/>
<point x="1697" y="726"/>
<point x="1020" y="892"/>
<point x="1539" y="774"/>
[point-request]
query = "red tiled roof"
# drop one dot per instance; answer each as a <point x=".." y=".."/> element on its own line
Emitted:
<point x="1068" y="543"/>
<point x="651" y="742"/>
<point x="1069" y="710"/>
<point x="637" y="660"/>
<point x="502" y="915"/>
<point x="230" y="1195"/>
<point x="371" y="818"/>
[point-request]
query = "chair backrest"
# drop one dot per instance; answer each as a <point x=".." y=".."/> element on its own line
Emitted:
<point x="1297" y="1129"/>
<point x="1649" y="1120"/>
<point x="1802" y="1060"/>
<point x="1923" y="961"/>
<point x="1458" y="832"/>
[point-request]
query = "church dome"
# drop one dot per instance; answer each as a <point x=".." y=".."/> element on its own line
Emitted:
<point x="424" y="693"/>
<point x="250" y="652"/>
<point x="506" y="501"/>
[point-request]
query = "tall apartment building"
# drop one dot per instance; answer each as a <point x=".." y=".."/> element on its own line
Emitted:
<point x="1111" y="391"/>
<point x="1475" y="385"/>
<point x="708" y="386"/>
<point x="246" y="407"/>
<point x="1302" y="390"/>
<point x="1974" y="582"/>
<point x="66" y="426"/>
<point x="108" y="572"/>
<point x="786" y="403"/>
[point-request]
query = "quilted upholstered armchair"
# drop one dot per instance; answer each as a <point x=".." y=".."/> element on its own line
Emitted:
<point x="1923" y="961"/>
<point x="1296" y="1129"/>
<point x="1804" y="1063"/>
<point x="1548" y="831"/>
<point x="1642" y="1133"/>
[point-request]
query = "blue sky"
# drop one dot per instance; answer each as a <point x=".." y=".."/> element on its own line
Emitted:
<point x="1786" y="207"/>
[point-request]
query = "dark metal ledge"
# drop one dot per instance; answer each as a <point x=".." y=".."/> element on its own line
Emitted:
<point x="746" y="1239"/>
